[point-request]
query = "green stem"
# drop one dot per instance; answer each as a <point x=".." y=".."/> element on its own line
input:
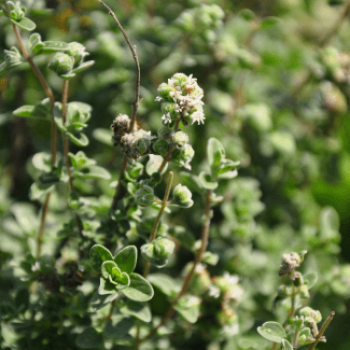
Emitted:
<point x="322" y="330"/>
<point x="296" y="335"/>
<point x="160" y="213"/>
<point x="168" y="155"/>
<point x="189" y="276"/>
<point x="65" y="94"/>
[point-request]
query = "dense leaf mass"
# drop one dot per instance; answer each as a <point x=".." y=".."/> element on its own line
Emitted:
<point x="229" y="171"/>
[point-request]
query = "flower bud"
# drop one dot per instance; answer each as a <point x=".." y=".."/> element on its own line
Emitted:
<point x="182" y="196"/>
<point x="310" y="314"/>
<point x="136" y="144"/>
<point x="304" y="292"/>
<point x="180" y="138"/>
<point x="161" y="147"/>
<point x="183" y="157"/>
<point x="77" y="51"/>
<point x="298" y="279"/>
<point x="120" y="127"/>
<point x="165" y="91"/>
<point x="144" y="196"/>
<point x="61" y="64"/>
<point x="289" y="263"/>
<point x="179" y="80"/>
<point x="158" y="251"/>
<point x="17" y="12"/>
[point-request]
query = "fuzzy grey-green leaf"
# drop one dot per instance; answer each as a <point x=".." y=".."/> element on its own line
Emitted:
<point x="126" y="259"/>
<point x="139" y="290"/>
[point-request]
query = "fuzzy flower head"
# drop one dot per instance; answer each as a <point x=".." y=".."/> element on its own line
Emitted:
<point x="137" y="143"/>
<point x="182" y="98"/>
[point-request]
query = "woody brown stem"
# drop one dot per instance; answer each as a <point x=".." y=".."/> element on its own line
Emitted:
<point x="49" y="94"/>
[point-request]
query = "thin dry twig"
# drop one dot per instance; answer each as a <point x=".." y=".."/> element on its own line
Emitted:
<point x="120" y="191"/>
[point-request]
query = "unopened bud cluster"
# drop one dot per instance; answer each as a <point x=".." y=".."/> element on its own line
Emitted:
<point x="134" y="144"/>
<point x="289" y="263"/>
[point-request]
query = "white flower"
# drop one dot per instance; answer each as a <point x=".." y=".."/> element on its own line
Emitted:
<point x="166" y="118"/>
<point x="214" y="291"/>
<point x="158" y="98"/>
<point x="232" y="279"/>
<point x="198" y="117"/>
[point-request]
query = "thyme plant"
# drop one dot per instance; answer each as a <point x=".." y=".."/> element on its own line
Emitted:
<point x="166" y="246"/>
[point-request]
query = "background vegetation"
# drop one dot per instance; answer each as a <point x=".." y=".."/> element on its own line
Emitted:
<point x="276" y="81"/>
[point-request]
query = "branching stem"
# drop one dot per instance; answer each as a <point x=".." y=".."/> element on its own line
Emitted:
<point x="160" y="213"/>
<point x="189" y="276"/>
<point x="322" y="330"/>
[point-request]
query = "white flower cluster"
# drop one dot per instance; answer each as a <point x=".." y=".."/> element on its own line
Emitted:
<point x="186" y="97"/>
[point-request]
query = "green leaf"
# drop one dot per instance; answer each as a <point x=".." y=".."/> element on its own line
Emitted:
<point x="25" y="23"/>
<point x="92" y="172"/>
<point x="38" y="190"/>
<point x="118" y="328"/>
<point x="154" y="164"/>
<point x="103" y="135"/>
<point x="40" y="110"/>
<point x="216" y="152"/>
<point x="79" y="139"/>
<point x="272" y="331"/>
<point x="99" y="301"/>
<point x="126" y="259"/>
<point x="286" y="345"/>
<point x="207" y="182"/>
<point x="49" y="47"/>
<point x="98" y="255"/>
<point x="165" y="283"/>
<point x="42" y="161"/>
<point x="188" y="308"/>
<point x="311" y="279"/>
<point x="83" y="67"/>
<point x="210" y="258"/>
<point x="88" y="339"/>
<point x="268" y="22"/>
<point x="138" y="310"/>
<point x="106" y="287"/>
<point x="139" y="290"/>
<point x="247" y="14"/>
<point x="330" y="224"/>
<point x="24" y="111"/>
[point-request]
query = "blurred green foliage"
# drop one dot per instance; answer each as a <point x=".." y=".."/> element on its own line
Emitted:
<point x="276" y="81"/>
